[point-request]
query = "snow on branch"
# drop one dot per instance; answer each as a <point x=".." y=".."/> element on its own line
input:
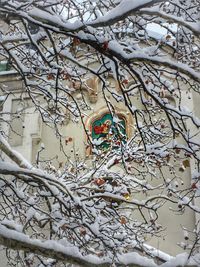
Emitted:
<point x="13" y="155"/>
<point x="193" y="26"/>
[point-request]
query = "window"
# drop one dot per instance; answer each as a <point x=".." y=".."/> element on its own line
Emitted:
<point x="18" y="113"/>
<point x="4" y="66"/>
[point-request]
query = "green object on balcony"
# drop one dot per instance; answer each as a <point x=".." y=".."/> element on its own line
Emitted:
<point x="4" y="66"/>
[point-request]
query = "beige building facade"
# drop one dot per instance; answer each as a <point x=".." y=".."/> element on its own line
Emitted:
<point x="37" y="141"/>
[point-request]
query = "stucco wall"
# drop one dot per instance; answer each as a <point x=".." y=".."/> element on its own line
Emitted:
<point x="35" y="133"/>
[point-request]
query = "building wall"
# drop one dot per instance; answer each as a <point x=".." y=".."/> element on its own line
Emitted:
<point x="35" y="135"/>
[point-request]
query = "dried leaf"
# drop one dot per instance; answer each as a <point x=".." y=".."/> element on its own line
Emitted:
<point x="60" y="164"/>
<point x="82" y="231"/>
<point x="126" y="196"/>
<point x="123" y="220"/>
<point x="186" y="163"/>
<point x="177" y="150"/>
<point x="100" y="181"/>
<point x="168" y="36"/>
<point x="50" y="76"/>
<point x="105" y="45"/>
<point x="75" y="41"/>
<point x="194" y="186"/>
<point x="125" y="81"/>
<point x="100" y="253"/>
<point x="64" y="226"/>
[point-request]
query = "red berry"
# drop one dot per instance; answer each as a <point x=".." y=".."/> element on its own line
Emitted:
<point x="105" y="45"/>
<point x="194" y="186"/>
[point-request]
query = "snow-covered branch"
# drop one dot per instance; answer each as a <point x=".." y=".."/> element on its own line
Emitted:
<point x="106" y="106"/>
